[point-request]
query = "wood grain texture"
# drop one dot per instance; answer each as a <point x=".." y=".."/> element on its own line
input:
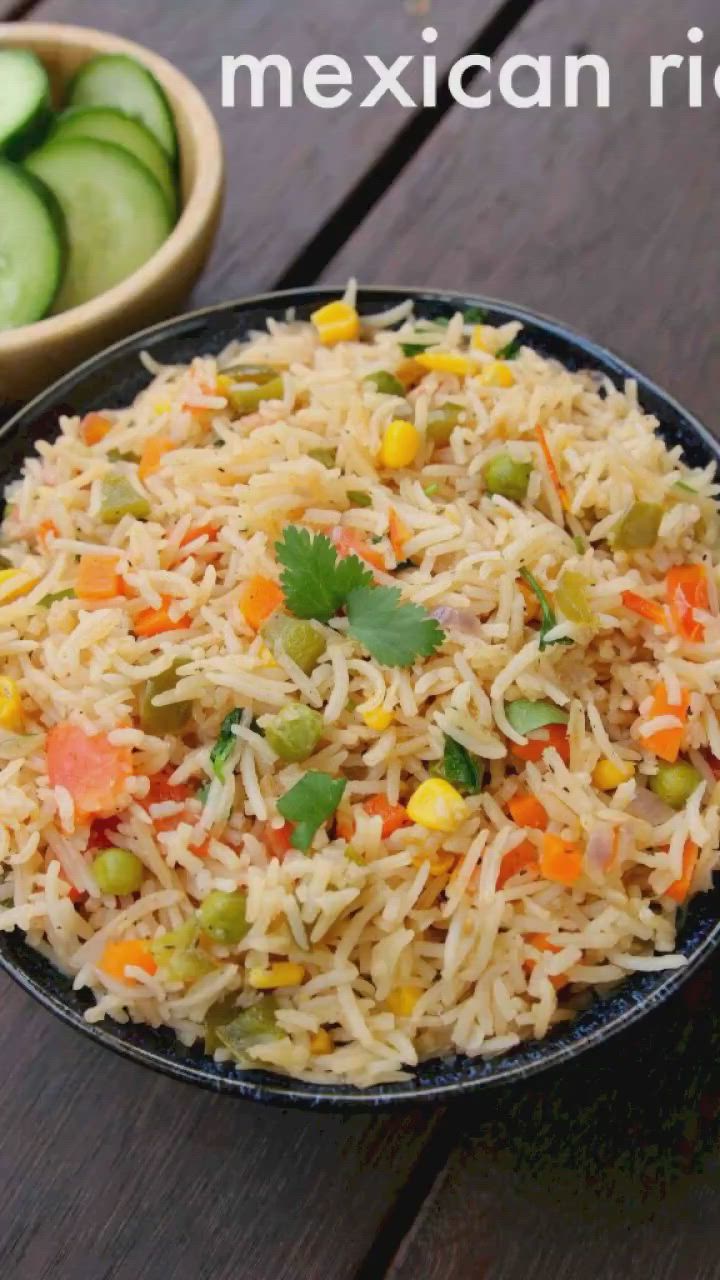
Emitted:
<point x="607" y="219"/>
<point x="107" y="1170"/>
<point x="287" y="169"/>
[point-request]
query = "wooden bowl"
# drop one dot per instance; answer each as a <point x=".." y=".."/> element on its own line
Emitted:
<point x="34" y="355"/>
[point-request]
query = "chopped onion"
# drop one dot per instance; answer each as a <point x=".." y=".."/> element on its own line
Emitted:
<point x="461" y="619"/>
<point x="599" y="849"/>
<point x="650" y="808"/>
<point x="16" y="745"/>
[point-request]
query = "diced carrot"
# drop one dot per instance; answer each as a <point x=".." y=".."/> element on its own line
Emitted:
<point x="94" y="427"/>
<point x="553" y="735"/>
<point x="649" y="609"/>
<point x="394" y="816"/>
<point x="560" y="860"/>
<point x="532" y="604"/>
<point x="527" y="811"/>
<point x="523" y="857"/>
<point x="686" y="588"/>
<point x="131" y="953"/>
<point x="260" y="597"/>
<point x="348" y="542"/>
<point x="277" y="840"/>
<point x="152" y="455"/>
<point x="200" y="530"/>
<point x="541" y="942"/>
<point x="97" y="577"/>
<point x="46" y="528"/>
<point x="101" y="829"/>
<point x="679" y="889"/>
<point x="666" y="742"/>
<point x="552" y="469"/>
<point x="344" y="824"/>
<point x="153" y="622"/>
<point x="399" y="533"/>
<point x="93" y="770"/>
<point x="162" y="791"/>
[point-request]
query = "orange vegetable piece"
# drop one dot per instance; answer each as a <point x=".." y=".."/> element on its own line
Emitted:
<point x="523" y="857"/>
<point x="686" y="588"/>
<point x="130" y="953"/>
<point x="260" y="597"/>
<point x="153" y="622"/>
<point x="94" y="427"/>
<point x="344" y="825"/>
<point x="553" y="735"/>
<point x="393" y="816"/>
<point x="552" y="469"/>
<point x="90" y="768"/>
<point x="560" y="860"/>
<point x="410" y="373"/>
<point x="666" y="742"/>
<point x="348" y="542"/>
<point x="46" y="528"/>
<point x="542" y="943"/>
<point x="649" y="609"/>
<point x="526" y="811"/>
<point x="98" y="578"/>
<point x="532" y="604"/>
<point x="679" y="889"/>
<point x="208" y="530"/>
<point x="399" y="533"/>
<point x="152" y="455"/>
<point x="277" y="840"/>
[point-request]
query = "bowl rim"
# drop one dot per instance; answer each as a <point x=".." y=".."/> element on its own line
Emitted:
<point x="199" y="206"/>
<point x="273" y="1088"/>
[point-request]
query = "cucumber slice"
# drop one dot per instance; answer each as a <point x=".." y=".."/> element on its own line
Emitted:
<point x="107" y="124"/>
<point x="116" y="214"/>
<point x="115" y="80"/>
<point x="24" y="102"/>
<point x="32" y="247"/>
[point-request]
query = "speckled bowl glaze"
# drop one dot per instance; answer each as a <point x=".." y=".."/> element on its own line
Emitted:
<point x="113" y="379"/>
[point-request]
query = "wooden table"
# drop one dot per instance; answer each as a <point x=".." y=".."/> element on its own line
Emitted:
<point x="608" y="219"/>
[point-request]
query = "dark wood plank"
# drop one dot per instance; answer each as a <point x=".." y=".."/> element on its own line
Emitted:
<point x="110" y="1171"/>
<point x="607" y="219"/>
<point x="287" y="169"/>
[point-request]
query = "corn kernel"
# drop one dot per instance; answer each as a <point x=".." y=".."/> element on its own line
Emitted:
<point x="497" y="374"/>
<point x="400" y="444"/>
<point x="266" y="656"/>
<point x="15" y="583"/>
<point x="11" y="712"/>
<point x="607" y="775"/>
<point x="441" y="863"/>
<point x="161" y="406"/>
<point x="378" y="719"/>
<point x="336" y="322"/>
<point x="402" y="1001"/>
<point x="437" y="806"/>
<point x="281" y="974"/>
<point x="477" y="338"/>
<point x="446" y="362"/>
<point x="321" y="1043"/>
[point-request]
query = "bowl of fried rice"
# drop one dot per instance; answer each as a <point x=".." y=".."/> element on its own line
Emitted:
<point x="359" y="696"/>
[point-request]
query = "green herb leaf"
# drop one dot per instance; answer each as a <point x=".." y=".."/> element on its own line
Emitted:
<point x="309" y="804"/>
<point x="52" y="596"/>
<point x="414" y="348"/>
<point x="359" y="498"/>
<point x="474" y="315"/>
<point x="225" y="744"/>
<point x="525" y="716"/>
<point x="316" y="583"/>
<point x="548" y="614"/>
<point x="394" y="633"/>
<point x="510" y="351"/>
<point x="203" y="792"/>
<point x="459" y="768"/>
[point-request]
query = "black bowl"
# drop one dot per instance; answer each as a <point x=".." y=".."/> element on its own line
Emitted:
<point x="113" y="379"/>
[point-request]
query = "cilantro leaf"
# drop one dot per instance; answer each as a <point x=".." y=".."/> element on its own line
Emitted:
<point x="225" y="743"/>
<point x="395" y="633"/>
<point x="459" y="768"/>
<point x="548" y="613"/>
<point x="509" y="351"/>
<point x="309" y="804"/>
<point x="474" y="315"/>
<point x="315" y="582"/>
<point x="414" y="348"/>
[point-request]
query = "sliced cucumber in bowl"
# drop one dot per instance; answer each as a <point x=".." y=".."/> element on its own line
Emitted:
<point x="109" y="124"/>
<point x="116" y="80"/>
<point x="116" y="213"/>
<point x="32" y="247"/>
<point x="24" y="102"/>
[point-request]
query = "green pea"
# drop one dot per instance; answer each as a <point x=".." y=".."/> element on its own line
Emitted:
<point x="386" y="383"/>
<point x="507" y="477"/>
<point x="251" y="384"/>
<point x="442" y="422"/>
<point x="222" y="916"/>
<point x="299" y="640"/>
<point x="358" y="498"/>
<point x="294" y="732"/>
<point x="118" y="871"/>
<point x="119" y="499"/>
<point x="675" y="783"/>
<point x="326" y="456"/>
<point x="571" y="598"/>
<point x="639" y="527"/>
<point x="170" y="719"/>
